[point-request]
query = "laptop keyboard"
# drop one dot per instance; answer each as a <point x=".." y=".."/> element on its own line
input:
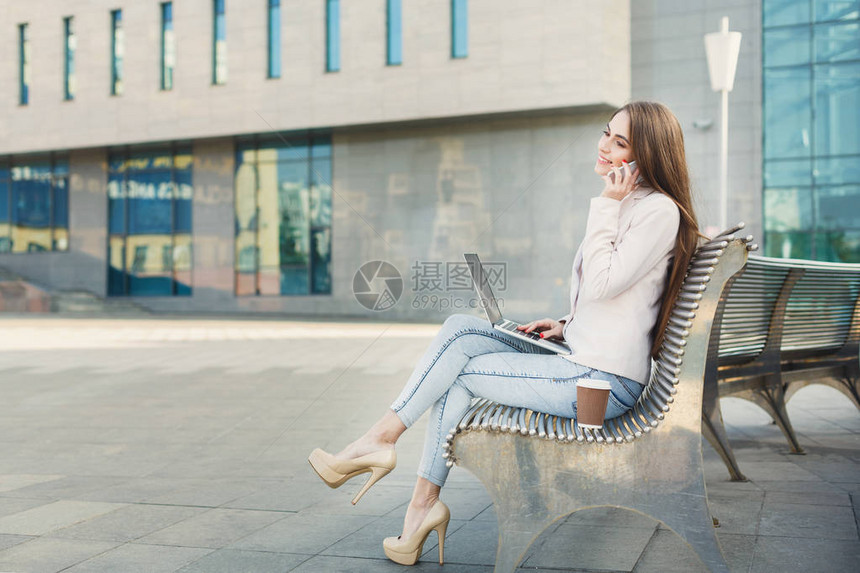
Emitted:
<point x="512" y="327"/>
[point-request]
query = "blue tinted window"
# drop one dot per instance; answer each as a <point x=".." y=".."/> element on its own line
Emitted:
<point x="219" y="39"/>
<point x="150" y="202"/>
<point x="4" y="201"/>
<point x="786" y="12"/>
<point x="61" y="202"/>
<point x="838" y="207"/>
<point x="788" y="209"/>
<point x="787" y="46"/>
<point x="23" y="64"/>
<point x="274" y="38"/>
<point x="117" y="52"/>
<point x="837" y="42"/>
<point x="787" y="172"/>
<point x="837" y="170"/>
<point x="394" y="42"/>
<point x="168" y="46"/>
<point x="836" y="10"/>
<point x="69" y="46"/>
<point x="332" y="35"/>
<point x="837" y="109"/>
<point x="459" y="29"/>
<point x="788" y="112"/>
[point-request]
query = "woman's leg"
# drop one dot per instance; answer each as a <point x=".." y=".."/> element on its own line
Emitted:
<point x="461" y="338"/>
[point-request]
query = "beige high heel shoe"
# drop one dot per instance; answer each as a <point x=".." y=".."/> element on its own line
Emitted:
<point x="407" y="552"/>
<point x="335" y="472"/>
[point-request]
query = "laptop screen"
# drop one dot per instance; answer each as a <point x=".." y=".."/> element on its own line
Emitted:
<point x="482" y="286"/>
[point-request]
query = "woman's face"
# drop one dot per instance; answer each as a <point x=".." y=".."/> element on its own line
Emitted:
<point x="614" y="146"/>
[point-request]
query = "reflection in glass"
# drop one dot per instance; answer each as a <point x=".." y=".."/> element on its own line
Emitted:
<point x="34" y="206"/>
<point x="837" y="109"/>
<point x="837" y="42"/>
<point x="788" y="112"/>
<point x="835" y="170"/>
<point x="274" y="38"/>
<point x="788" y="209"/>
<point x="150" y="198"/>
<point x="787" y="172"/>
<point x="23" y="64"/>
<point x="459" y="29"/>
<point x="219" y="44"/>
<point x="168" y="46"/>
<point x="332" y="35"/>
<point x="836" y="9"/>
<point x="841" y="246"/>
<point x="785" y="12"/>
<point x="283" y="218"/>
<point x="117" y="52"/>
<point x="788" y="245"/>
<point x="69" y="46"/>
<point x="394" y="43"/>
<point x="838" y="207"/>
<point x="787" y="46"/>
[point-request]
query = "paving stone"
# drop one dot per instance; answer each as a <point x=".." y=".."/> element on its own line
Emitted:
<point x="302" y="533"/>
<point x="236" y="561"/>
<point x="53" y="516"/>
<point x="668" y="553"/>
<point x="611" y="517"/>
<point x="356" y="565"/>
<point x="215" y="528"/>
<point x="128" y="523"/>
<point x="808" y="521"/>
<point x="135" y="558"/>
<point x="7" y="541"/>
<point x="13" y="482"/>
<point x="46" y="555"/>
<point x="11" y="505"/>
<point x="801" y="555"/>
<point x="736" y="515"/>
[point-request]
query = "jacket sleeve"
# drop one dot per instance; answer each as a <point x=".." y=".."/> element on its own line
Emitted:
<point x="610" y="268"/>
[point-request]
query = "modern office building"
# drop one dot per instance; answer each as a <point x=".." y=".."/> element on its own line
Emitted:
<point x="269" y="156"/>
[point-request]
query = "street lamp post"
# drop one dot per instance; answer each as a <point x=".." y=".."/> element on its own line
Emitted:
<point x="722" y="50"/>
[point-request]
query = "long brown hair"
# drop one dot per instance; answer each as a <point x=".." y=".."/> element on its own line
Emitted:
<point x="658" y="147"/>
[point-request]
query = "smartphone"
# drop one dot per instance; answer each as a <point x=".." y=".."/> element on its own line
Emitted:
<point x="632" y="165"/>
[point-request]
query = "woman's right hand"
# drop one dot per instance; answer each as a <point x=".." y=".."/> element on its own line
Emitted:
<point x="549" y="327"/>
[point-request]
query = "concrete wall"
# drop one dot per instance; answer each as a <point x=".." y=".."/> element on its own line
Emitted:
<point x="522" y="56"/>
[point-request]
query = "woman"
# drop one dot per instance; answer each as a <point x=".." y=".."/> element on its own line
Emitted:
<point x="640" y="236"/>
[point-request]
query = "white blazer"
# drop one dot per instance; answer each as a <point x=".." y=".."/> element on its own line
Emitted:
<point x="619" y="275"/>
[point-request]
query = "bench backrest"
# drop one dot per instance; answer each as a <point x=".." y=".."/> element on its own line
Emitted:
<point x="790" y="308"/>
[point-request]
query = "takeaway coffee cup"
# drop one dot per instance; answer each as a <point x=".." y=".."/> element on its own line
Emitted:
<point x="591" y="399"/>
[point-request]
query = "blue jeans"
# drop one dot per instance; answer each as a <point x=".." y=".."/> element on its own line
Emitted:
<point x="468" y="358"/>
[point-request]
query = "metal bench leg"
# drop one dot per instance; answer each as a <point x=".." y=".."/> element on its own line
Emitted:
<point x="850" y="386"/>
<point x="715" y="431"/>
<point x="772" y="400"/>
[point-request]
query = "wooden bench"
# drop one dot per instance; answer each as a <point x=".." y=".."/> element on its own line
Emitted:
<point x="783" y="324"/>
<point x="539" y="468"/>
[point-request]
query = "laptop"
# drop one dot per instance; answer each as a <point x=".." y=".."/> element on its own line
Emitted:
<point x="488" y="302"/>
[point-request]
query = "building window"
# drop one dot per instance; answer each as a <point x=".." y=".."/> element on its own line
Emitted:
<point x="69" y="46"/>
<point x="811" y="101"/>
<point x="150" y="197"/>
<point x="459" y="29"/>
<point x="394" y="29"/>
<point x="219" y="44"/>
<point x="332" y="35"/>
<point x="283" y="217"/>
<point x="23" y="64"/>
<point x="168" y="46"/>
<point x="274" y="38"/>
<point x="117" y="52"/>
<point x="34" y="205"/>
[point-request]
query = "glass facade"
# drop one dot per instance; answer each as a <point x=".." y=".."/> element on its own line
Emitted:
<point x="23" y="64"/>
<point x="283" y="217"/>
<point x="69" y="45"/>
<point x="150" y="197"/>
<point x="274" y="38"/>
<point x="117" y="52"/>
<point x="168" y="46"/>
<point x="811" y="148"/>
<point x="219" y="43"/>
<point x="34" y="205"/>
<point x="332" y="35"/>
<point x="394" y="28"/>
<point x="459" y="29"/>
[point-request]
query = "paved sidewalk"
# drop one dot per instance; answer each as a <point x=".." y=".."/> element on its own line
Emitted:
<point x="157" y="445"/>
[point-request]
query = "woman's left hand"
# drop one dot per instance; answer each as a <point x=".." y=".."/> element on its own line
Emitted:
<point x="622" y="186"/>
